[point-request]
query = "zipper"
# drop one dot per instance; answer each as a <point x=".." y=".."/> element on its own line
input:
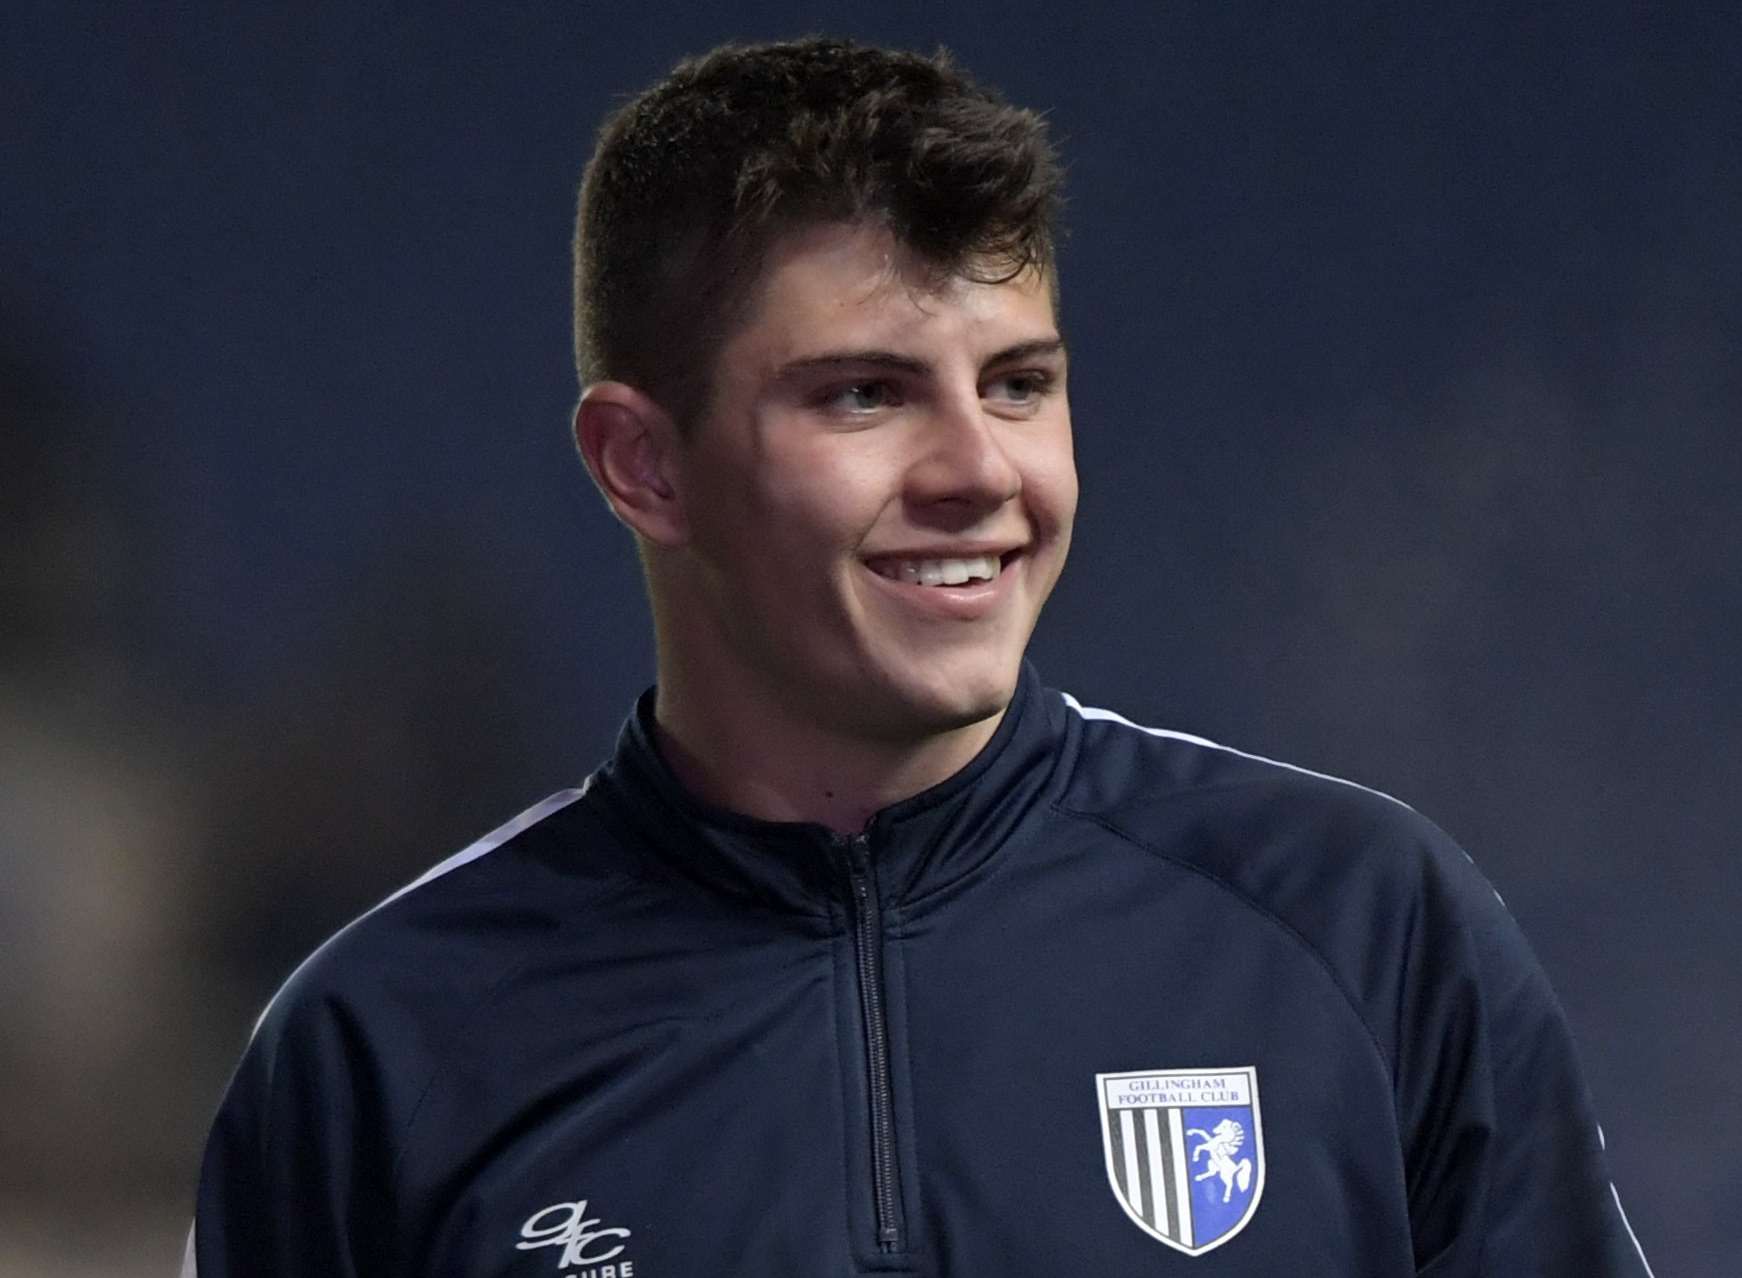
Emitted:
<point x="868" y="950"/>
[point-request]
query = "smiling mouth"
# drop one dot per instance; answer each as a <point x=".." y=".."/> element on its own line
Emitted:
<point x="965" y="571"/>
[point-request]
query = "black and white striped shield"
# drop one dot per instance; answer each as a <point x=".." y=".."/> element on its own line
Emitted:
<point x="1185" y="1151"/>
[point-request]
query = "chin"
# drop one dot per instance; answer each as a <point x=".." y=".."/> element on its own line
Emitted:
<point x="952" y="701"/>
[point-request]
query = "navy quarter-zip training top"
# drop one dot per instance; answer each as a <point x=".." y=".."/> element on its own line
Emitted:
<point x="1109" y="1002"/>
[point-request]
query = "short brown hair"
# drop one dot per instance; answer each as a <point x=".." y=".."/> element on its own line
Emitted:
<point x="693" y="181"/>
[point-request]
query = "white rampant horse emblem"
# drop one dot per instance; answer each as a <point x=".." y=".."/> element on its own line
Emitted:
<point x="1221" y="1145"/>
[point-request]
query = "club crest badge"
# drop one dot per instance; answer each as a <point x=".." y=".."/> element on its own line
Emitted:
<point x="1185" y="1152"/>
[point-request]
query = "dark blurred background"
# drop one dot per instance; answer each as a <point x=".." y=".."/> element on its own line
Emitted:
<point x="1405" y="378"/>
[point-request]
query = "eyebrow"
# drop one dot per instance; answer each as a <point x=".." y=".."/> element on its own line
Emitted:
<point x="912" y="365"/>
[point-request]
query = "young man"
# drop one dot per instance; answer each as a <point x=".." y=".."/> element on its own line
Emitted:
<point x="864" y="952"/>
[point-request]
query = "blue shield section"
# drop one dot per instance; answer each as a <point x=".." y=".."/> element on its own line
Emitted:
<point x="1224" y="1180"/>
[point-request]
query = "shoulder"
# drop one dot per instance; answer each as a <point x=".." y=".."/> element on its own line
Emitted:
<point x="1230" y="808"/>
<point x="432" y="949"/>
<point x="1377" y="891"/>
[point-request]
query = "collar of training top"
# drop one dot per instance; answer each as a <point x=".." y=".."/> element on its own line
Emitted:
<point x="917" y="848"/>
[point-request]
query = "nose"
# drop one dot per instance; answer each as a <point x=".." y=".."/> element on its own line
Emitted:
<point x="964" y="465"/>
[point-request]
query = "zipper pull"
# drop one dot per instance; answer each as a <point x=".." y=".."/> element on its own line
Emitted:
<point x="859" y="852"/>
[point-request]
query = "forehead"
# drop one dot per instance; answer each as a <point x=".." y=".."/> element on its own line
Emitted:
<point x="836" y="285"/>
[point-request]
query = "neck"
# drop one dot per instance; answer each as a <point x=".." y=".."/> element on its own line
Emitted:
<point x="764" y="762"/>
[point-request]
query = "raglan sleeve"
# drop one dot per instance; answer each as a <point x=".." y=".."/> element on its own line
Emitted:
<point x="1505" y="1165"/>
<point x="293" y="1180"/>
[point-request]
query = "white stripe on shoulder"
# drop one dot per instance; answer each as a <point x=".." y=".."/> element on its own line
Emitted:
<point x="1109" y="716"/>
<point x="465" y="856"/>
<point x="495" y="839"/>
<point x="1640" y="1251"/>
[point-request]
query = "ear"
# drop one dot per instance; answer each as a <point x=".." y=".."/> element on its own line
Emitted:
<point x="630" y="444"/>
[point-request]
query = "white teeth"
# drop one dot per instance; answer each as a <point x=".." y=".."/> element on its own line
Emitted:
<point x="940" y="572"/>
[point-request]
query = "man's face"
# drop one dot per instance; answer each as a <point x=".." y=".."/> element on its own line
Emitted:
<point x="880" y="499"/>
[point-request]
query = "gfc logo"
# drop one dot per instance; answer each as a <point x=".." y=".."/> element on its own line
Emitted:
<point x="583" y="1241"/>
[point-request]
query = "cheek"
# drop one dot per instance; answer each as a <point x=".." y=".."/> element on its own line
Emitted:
<point x="825" y="497"/>
<point x="1050" y="481"/>
<point x="758" y="511"/>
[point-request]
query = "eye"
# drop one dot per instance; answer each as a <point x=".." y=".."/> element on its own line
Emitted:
<point x="1025" y="387"/>
<point x="860" y="397"/>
